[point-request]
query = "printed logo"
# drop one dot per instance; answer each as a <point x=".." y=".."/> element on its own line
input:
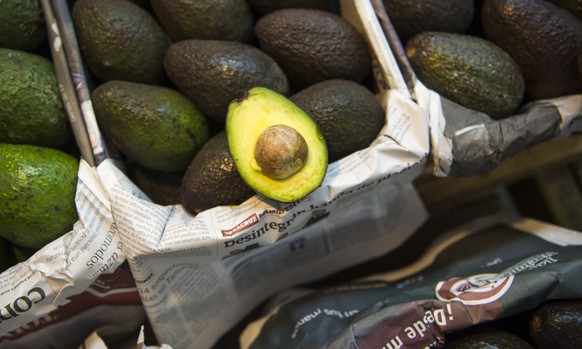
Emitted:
<point x="474" y="290"/>
<point x="245" y="224"/>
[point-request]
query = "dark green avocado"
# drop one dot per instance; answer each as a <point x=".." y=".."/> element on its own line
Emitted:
<point x="22" y="24"/>
<point x="489" y="338"/>
<point x="314" y="45"/>
<point x="263" y="7"/>
<point x="212" y="178"/>
<point x="347" y="113"/>
<point x="213" y="73"/>
<point x="468" y="70"/>
<point x="557" y="324"/>
<point x="544" y="40"/>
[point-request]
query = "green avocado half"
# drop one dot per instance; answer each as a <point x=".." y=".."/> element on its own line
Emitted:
<point x="277" y="148"/>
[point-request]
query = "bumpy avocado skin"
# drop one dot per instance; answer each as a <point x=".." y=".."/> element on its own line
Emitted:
<point x="468" y="70"/>
<point x="263" y="7"/>
<point x="347" y="113"/>
<point x="31" y="108"/>
<point x="162" y="188"/>
<point x="212" y="178"/>
<point x="489" y="339"/>
<point x="557" y="324"/>
<point x="227" y="20"/>
<point x="155" y="126"/>
<point x="314" y="45"/>
<point x="37" y="191"/>
<point x="543" y="39"/>
<point x="22" y="24"/>
<point x="212" y="73"/>
<point x="410" y="17"/>
<point x="120" y="40"/>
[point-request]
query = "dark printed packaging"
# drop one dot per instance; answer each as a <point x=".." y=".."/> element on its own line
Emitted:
<point x="494" y="268"/>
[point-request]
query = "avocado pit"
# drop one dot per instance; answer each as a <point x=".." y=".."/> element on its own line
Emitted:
<point x="280" y="152"/>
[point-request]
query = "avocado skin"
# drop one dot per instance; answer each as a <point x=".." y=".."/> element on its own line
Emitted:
<point x="489" y="339"/>
<point x="543" y="39"/>
<point x="228" y="20"/>
<point x="120" y="40"/>
<point x="574" y="6"/>
<point x="347" y="113"/>
<point x="212" y="178"/>
<point x="22" y="24"/>
<point x="411" y="17"/>
<point x="557" y="324"/>
<point x="263" y="7"/>
<point x="37" y="187"/>
<point x="212" y="73"/>
<point x="468" y="70"/>
<point x="155" y="126"/>
<point x="31" y="108"/>
<point x="313" y="46"/>
<point x="161" y="187"/>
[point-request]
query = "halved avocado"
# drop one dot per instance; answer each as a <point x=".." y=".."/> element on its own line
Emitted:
<point x="277" y="148"/>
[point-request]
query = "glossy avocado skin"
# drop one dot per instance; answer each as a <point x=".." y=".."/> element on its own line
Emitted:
<point x="212" y="178"/>
<point x="22" y="24"/>
<point x="543" y="39"/>
<point x="347" y="113"/>
<point x="490" y="338"/>
<point x="227" y="20"/>
<point x="37" y="187"/>
<point x="31" y="108"/>
<point x="410" y="17"/>
<point x="155" y="126"/>
<point x="468" y="70"/>
<point x="314" y="45"/>
<point x="213" y="73"/>
<point x="120" y="40"/>
<point x="557" y="324"/>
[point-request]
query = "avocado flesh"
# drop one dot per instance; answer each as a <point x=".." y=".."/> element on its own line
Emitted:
<point x="245" y="122"/>
<point x="155" y="126"/>
<point x="37" y="187"/>
<point x="468" y="70"/>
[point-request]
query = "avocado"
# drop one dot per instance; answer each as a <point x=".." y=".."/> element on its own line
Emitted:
<point x="228" y="20"/>
<point x="263" y="7"/>
<point x="155" y="126"/>
<point x="277" y="148"/>
<point x="557" y="324"/>
<point x="347" y="113"/>
<point x="120" y="40"/>
<point x="411" y="17"/>
<point x="5" y="255"/>
<point x="574" y="6"/>
<point x="37" y="187"/>
<point x="313" y="46"/>
<point x="467" y="70"/>
<point x="212" y="178"/>
<point x="21" y="254"/>
<point x="489" y="338"/>
<point x="31" y="108"/>
<point x="544" y="40"/>
<point x="212" y="73"/>
<point x="22" y="24"/>
<point x="162" y="188"/>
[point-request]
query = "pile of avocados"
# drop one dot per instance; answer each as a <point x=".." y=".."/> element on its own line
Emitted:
<point x="39" y="158"/>
<point x="212" y="102"/>
<point x="492" y="56"/>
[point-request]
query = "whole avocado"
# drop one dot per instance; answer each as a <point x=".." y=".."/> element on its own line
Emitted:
<point x="31" y="108"/>
<point x="313" y="46"/>
<point x="228" y="20"/>
<point x="120" y="40"/>
<point x="490" y="338"/>
<point x="411" y="17"/>
<point x="212" y="73"/>
<point x="37" y="187"/>
<point x="557" y="324"/>
<point x="22" y="24"/>
<point x="263" y="7"/>
<point x="467" y="70"/>
<point x="212" y="178"/>
<point x="544" y="40"/>
<point x="347" y="113"/>
<point x="155" y="126"/>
